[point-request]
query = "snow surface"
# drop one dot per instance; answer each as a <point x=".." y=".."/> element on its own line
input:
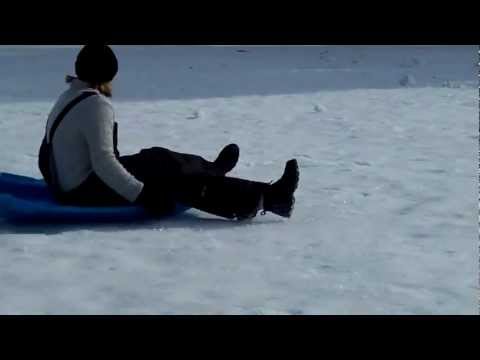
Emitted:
<point x="386" y="219"/>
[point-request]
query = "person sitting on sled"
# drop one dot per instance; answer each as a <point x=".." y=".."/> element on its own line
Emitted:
<point x="80" y="162"/>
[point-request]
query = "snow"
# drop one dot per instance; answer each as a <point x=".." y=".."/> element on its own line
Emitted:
<point x="386" y="218"/>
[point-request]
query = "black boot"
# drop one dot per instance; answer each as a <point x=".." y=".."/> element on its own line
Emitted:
<point x="227" y="159"/>
<point x="279" y="197"/>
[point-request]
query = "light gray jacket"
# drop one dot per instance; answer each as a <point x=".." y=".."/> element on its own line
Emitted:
<point x="84" y="143"/>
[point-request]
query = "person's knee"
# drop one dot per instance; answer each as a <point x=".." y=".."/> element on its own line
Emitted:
<point x="153" y="150"/>
<point x="154" y="154"/>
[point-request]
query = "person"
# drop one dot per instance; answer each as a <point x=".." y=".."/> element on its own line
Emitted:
<point x="80" y="161"/>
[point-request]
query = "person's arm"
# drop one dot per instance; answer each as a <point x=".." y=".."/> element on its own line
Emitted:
<point x="97" y="128"/>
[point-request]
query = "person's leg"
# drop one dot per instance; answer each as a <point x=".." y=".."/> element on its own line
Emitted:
<point x="159" y="162"/>
<point x="238" y="198"/>
<point x="151" y="164"/>
<point x="219" y="195"/>
<point x="196" y="165"/>
<point x="223" y="196"/>
<point x="195" y="182"/>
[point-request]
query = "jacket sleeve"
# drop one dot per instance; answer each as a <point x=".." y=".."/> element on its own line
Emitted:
<point x="98" y="129"/>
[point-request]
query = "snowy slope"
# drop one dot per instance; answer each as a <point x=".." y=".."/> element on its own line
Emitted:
<point x="387" y="212"/>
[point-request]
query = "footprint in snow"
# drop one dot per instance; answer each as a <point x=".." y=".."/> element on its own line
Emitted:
<point x="408" y="80"/>
<point x="362" y="163"/>
<point x="319" y="108"/>
<point x="194" y="116"/>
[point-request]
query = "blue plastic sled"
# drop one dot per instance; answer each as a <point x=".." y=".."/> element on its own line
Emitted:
<point x="24" y="199"/>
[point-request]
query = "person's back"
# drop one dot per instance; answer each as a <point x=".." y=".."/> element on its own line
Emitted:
<point x="83" y="143"/>
<point x="71" y="153"/>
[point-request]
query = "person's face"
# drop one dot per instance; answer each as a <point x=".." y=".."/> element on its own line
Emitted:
<point x="106" y="89"/>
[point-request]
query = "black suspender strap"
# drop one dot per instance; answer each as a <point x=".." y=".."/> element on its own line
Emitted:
<point x="46" y="159"/>
<point x="66" y="110"/>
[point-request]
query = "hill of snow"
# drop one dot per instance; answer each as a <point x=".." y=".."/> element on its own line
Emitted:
<point x="386" y="219"/>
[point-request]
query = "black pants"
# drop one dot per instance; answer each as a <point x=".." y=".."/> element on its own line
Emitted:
<point x="181" y="178"/>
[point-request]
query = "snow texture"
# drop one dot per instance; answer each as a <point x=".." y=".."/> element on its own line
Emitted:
<point x="386" y="219"/>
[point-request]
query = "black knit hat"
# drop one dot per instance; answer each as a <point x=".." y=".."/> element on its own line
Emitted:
<point x="96" y="64"/>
